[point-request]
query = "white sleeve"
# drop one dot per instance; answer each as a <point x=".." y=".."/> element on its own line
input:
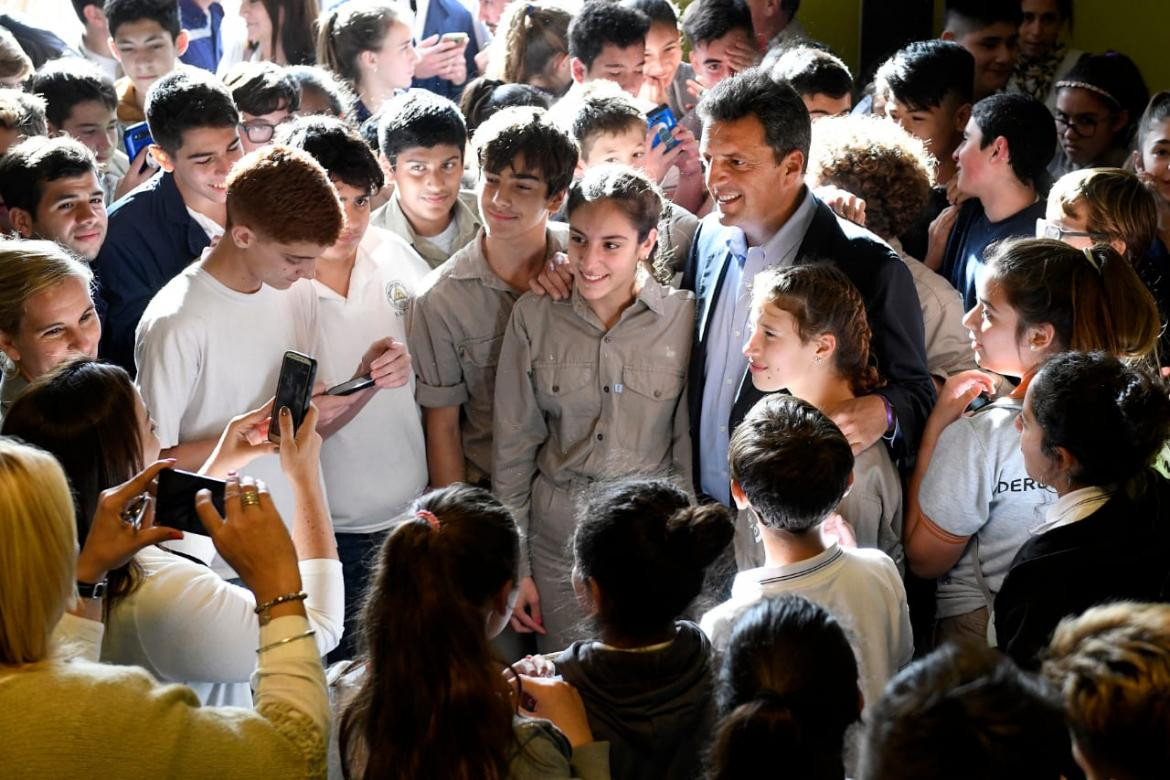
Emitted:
<point x="79" y="637"/>
<point x="290" y="673"/>
<point x="194" y="625"/>
<point x="169" y="355"/>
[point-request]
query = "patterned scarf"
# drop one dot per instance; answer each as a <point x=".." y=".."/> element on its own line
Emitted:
<point x="1035" y="77"/>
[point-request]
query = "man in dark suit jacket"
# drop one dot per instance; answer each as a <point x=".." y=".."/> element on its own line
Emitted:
<point x="755" y="141"/>
<point x="448" y="16"/>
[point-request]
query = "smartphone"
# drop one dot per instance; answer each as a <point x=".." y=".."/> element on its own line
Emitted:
<point x="663" y="118"/>
<point x="294" y="389"/>
<point x="175" y="499"/>
<point x="136" y="138"/>
<point x="351" y="386"/>
<point x="457" y="37"/>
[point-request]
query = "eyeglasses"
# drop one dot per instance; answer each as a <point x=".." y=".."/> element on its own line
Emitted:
<point x="1082" y="125"/>
<point x="260" y="132"/>
<point x="1046" y="229"/>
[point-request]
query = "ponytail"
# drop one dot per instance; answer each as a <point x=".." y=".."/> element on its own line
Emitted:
<point x="1093" y="298"/>
<point x="531" y="37"/>
<point x="347" y="31"/>
<point x="757" y="731"/>
<point x="433" y="702"/>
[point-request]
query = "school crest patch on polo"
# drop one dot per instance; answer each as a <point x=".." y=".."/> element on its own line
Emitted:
<point x="397" y="296"/>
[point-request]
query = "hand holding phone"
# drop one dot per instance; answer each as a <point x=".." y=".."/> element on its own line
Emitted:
<point x="663" y="120"/>
<point x="136" y="138"/>
<point x="351" y="386"/>
<point x="175" y="497"/>
<point x="294" y="389"/>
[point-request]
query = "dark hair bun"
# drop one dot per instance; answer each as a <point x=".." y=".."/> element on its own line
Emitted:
<point x="701" y="532"/>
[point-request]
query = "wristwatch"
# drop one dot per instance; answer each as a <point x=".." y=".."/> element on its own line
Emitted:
<point x="92" y="590"/>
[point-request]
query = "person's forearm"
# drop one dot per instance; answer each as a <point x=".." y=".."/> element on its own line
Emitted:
<point x="312" y="531"/>
<point x="913" y="511"/>
<point x="191" y="455"/>
<point x="445" y="461"/>
<point x="690" y="192"/>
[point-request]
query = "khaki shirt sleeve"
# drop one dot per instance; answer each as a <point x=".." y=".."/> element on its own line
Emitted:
<point x="519" y="429"/>
<point x="435" y="356"/>
<point x="681" y="452"/>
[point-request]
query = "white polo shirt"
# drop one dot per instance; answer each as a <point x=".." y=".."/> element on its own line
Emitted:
<point x="376" y="465"/>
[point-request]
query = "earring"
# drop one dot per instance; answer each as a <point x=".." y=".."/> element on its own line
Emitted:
<point x="818" y="359"/>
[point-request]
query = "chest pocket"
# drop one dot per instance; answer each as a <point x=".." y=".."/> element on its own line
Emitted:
<point x="653" y="384"/>
<point x="567" y="394"/>
<point x="479" y="358"/>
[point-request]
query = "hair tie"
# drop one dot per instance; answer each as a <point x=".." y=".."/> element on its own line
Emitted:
<point x="1088" y="253"/>
<point x="530" y="10"/>
<point x="1091" y="87"/>
<point x="429" y="516"/>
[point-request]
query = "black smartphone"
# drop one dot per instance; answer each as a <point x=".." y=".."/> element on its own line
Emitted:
<point x="175" y="499"/>
<point x="351" y="386"/>
<point x="294" y="389"/>
<point x="136" y="138"/>
<point x="663" y="116"/>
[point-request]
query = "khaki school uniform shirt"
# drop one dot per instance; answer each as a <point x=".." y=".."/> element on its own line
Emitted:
<point x="455" y="329"/>
<point x="391" y="217"/>
<point x="577" y="402"/>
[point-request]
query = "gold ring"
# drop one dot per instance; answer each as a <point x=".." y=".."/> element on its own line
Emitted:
<point x="250" y="498"/>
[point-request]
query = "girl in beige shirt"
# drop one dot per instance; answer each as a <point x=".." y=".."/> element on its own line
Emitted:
<point x="589" y="387"/>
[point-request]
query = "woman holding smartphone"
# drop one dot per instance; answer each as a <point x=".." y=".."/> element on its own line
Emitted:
<point x="75" y="718"/>
<point x="589" y="387"/>
<point x="166" y="612"/>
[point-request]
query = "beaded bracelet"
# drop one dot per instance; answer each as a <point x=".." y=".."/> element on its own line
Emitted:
<point x="301" y="596"/>
<point x="286" y="640"/>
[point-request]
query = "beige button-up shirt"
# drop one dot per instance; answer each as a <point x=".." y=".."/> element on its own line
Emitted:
<point x="576" y="402"/>
<point x="467" y="223"/>
<point x="455" y="329"/>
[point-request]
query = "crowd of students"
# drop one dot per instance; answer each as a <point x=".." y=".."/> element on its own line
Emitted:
<point x="721" y="415"/>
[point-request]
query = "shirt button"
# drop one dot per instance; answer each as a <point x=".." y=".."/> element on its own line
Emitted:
<point x="607" y="339"/>
<point x="556" y="388"/>
<point x="657" y="393"/>
<point x="600" y="436"/>
<point x="605" y="389"/>
<point x="723" y="429"/>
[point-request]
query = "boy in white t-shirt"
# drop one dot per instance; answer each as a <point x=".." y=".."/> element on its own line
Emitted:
<point x="790" y="467"/>
<point x="212" y="340"/>
<point x="375" y="467"/>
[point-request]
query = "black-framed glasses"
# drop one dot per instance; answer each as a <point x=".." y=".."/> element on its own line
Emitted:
<point x="1082" y="125"/>
<point x="1046" y="229"/>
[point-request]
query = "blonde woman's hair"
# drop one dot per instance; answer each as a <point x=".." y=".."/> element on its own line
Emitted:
<point x="38" y="551"/>
<point x="28" y="268"/>
<point x="1111" y="667"/>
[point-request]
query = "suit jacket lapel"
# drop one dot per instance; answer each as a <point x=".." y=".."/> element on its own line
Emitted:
<point x="709" y="286"/>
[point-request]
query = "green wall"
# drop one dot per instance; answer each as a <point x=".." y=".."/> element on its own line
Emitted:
<point x="1139" y="28"/>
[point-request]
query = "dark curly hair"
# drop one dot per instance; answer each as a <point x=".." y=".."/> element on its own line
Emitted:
<point x="877" y="161"/>
<point x="823" y="300"/>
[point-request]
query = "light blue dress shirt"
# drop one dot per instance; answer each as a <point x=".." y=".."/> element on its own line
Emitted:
<point x="726" y="334"/>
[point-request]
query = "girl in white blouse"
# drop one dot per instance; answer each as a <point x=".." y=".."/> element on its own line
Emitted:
<point x="168" y="612"/>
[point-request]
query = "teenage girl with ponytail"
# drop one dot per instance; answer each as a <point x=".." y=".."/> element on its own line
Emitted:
<point x="428" y="698"/>
<point x="532" y="47"/>
<point x="811" y="338"/>
<point x="788" y="687"/>
<point x="1091" y="427"/>
<point x="368" y="45"/>
<point x="971" y="503"/>
<point x="641" y="554"/>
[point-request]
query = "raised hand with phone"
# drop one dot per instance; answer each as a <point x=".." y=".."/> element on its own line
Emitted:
<point x="442" y="56"/>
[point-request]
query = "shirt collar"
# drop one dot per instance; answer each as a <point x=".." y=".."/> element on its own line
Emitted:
<point x="1072" y="507"/>
<point x="784" y="243"/>
<point x="764" y="575"/>
<point x="470" y="262"/>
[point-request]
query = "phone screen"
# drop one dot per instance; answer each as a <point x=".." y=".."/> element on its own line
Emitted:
<point x="176" y="499"/>
<point x="294" y="389"/>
